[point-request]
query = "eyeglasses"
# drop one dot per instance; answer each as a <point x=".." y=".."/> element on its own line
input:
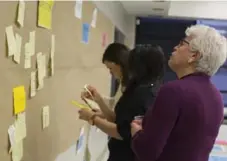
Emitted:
<point x="183" y="41"/>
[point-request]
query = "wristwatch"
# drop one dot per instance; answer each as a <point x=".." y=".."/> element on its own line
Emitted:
<point x="91" y="120"/>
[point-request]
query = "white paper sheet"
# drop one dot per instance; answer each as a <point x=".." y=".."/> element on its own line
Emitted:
<point x="46" y="116"/>
<point x="21" y="12"/>
<point x="27" y="56"/>
<point x="32" y="43"/>
<point x="39" y="60"/>
<point x="11" y="41"/>
<point x="16" y="56"/>
<point x="52" y="55"/>
<point x="33" y="84"/>
<point x="11" y="133"/>
<point x="20" y="127"/>
<point x="94" y="18"/>
<point x="78" y="9"/>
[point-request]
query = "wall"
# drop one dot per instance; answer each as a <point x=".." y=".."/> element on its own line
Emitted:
<point x="126" y="24"/>
<point x="119" y="17"/>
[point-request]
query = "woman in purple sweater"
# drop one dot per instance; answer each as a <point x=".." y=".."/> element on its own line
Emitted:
<point x="185" y="119"/>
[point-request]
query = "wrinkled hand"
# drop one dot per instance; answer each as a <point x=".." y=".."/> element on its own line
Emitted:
<point x="85" y="114"/>
<point x="95" y="95"/>
<point x="136" y="126"/>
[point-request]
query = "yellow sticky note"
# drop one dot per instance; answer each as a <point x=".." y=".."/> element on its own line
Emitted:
<point x="45" y="13"/>
<point x="19" y="97"/>
<point x="79" y="105"/>
<point x="20" y="127"/>
<point x="17" y="151"/>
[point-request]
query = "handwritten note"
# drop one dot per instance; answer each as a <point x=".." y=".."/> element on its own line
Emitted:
<point x="20" y="127"/>
<point x="94" y="18"/>
<point x="32" y="43"/>
<point x="52" y="55"/>
<point x="19" y="99"/>
<point x="33" y="84"/>
<point x="20" y="14"/>
<point x="27" y="56"/>
<point x="11" y="133"/>
<point x="46" y="116"/>
<point x="78" y="9"/>
<point x="45" y="13"/>
<point x="39" y="58"/>
<point x="16" y="56"/>
<point x="11" y="41"/>
<point x="17" y="151"/>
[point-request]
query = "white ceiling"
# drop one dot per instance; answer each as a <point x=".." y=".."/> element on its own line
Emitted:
<point x="146" y="8"/>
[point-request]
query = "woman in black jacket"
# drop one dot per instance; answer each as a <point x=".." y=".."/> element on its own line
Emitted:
<point x="145" y="71"/>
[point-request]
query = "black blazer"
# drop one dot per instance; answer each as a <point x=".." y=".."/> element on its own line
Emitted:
<point x="135" y="100"/>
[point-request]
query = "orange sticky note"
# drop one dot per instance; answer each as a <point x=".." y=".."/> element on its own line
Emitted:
<point x="19" y="98"/>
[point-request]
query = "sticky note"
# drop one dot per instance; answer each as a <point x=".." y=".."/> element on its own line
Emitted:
<point x="79" y="105"/>
<point x="94" y="18"/>
<point x="21" y="11"/>
<point x="19" y="97"/>
<point x="40" y="64"/>
<point x="11" y="41"/>
<point x="85" y="33"/>
<point x="33" y="84"/>
<point x="11" y="133"/>
<point x="46" y="116"/>
<point x="45" y="13"/>
<point x="52" y="55"/>
<point x="32" y="43"/>
<point x="27" y="56"/>
<point x="20" y="127"/>
<point x="78" y="9"/>
<point x="16" y="56"/>
<point x="17" y="151"/>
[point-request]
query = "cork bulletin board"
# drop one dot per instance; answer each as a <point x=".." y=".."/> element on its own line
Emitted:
<point x="76" y="64"/>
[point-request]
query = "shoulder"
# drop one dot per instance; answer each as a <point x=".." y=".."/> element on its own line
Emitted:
<point x="172" y="88"/>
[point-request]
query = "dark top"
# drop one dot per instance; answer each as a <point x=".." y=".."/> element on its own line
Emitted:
<point x="134" y="101"/>
<point x="184" y="123"/>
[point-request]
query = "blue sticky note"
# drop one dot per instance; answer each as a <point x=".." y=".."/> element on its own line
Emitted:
<point x="85" y="32"/>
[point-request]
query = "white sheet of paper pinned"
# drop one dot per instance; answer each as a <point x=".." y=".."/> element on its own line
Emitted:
<point x="78" y="9"/>
<point x="16" y="56"/>
<point x="21" y="13"/>
<point x="32" y="43"/>
<point x="80" y="141"/>
<point x="20" y="127"/>
<point x="46" y="116"/>
<point x="94" y="18"/>
<point x="33" y="84"/>
<point x="11" y="133"/>
<point x="52" y="55"/>
<point x="27" y="56"/>
<point x="17" y="151"/>
<point x="39" y="60"/>
<point x="11" y="41"/>
<point x="44" y="70"/>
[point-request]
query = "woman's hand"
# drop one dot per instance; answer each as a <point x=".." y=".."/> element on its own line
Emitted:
<point x="136" y="126"/>
<point x="95" y="95"/>
<point x="99" y="113"/>
<point x="85" y="114"/>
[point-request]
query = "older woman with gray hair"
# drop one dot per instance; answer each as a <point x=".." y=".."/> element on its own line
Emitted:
<point x="185" y="119"/>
